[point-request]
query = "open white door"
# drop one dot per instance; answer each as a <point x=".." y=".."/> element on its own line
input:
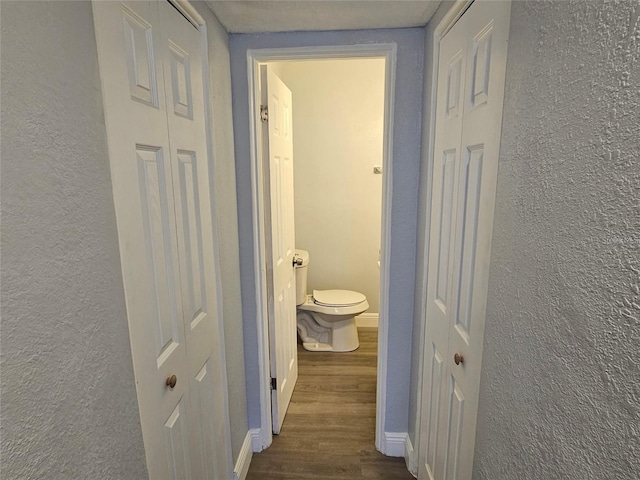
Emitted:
<point x="280" y="242"/>
<point x="151" y="69"/>
<point x="471" y="74"/>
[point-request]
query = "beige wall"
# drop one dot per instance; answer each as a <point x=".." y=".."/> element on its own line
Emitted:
<point x="338" y="113"/>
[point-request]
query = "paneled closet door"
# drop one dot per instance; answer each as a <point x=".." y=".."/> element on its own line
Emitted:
<point x="184" y="94"/>
<point x="151" y="71"/>
<point x="472" y="61"/>
<point x="446" y="170"/>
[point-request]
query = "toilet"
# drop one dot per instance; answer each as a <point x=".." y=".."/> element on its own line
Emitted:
<point x="327" y="318"/>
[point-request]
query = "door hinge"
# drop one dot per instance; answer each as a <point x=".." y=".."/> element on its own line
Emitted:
<point x="264" y="113"/>
<point x="274" y="384"/>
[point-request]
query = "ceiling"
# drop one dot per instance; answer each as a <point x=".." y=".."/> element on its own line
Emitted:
<point x="240" y="16"/>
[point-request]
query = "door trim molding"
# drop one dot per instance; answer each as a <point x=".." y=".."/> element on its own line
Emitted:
<point x="255" y="57"/>
<point x="244" y="459"/>
<point x="395" y="443"/>
<point x="256" y="440"/>
<point x="447" y="22"/>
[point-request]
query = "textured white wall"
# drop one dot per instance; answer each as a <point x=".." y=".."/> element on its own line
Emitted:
<point x="225" y="204"/>
<point x="560" y="395"/>
<point x="338" y="120"/>
<point x="69" y="407"/>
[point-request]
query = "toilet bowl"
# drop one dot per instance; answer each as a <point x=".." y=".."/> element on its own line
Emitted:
<point x="326" y="319"/>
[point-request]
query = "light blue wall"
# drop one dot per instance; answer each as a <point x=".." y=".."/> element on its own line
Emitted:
<point x="406" y="164"/>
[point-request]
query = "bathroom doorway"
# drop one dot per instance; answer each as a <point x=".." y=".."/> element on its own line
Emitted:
<point x="338" y="121"/>
<point x="323" y="155"/>
<point x="341" y="120"/>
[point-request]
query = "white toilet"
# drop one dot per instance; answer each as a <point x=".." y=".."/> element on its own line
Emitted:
<point x="326" y="319"/>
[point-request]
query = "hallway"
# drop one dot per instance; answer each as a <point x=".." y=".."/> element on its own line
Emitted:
<point x="329" y="430"/>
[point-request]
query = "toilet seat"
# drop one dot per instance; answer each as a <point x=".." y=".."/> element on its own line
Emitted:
<point x="337" y="298"/>
<point x="312" y="305"/>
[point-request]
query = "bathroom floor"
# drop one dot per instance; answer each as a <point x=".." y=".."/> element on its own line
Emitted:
<point x="329" y="430"/>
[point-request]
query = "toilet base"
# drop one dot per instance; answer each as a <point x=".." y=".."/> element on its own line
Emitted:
<point x="319" y="335"/>
<point x="317" y="347"/>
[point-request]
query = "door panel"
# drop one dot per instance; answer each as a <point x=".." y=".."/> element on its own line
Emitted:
<point x="278" y="149"/>
<point x="177" y="443"/>
<point x="444" y="226"/>
<point x="454" y="433"/>
<point x="192" y="268"/>
<point x="160" y="249"/>
<point x="455" y="320"/>
<point x="487" y="35"/>
<point x="204" y="465"/>
<point x="151" y="70"/>
<point x="140" y="57"/>
<point x="434" y="411"/>
<point x="469" y="217"/>
<point x="184" y="96"/>
<point x="481" y="66"/>
<point x="451" y="76"/>
<point x="129" y="51"/>
<point x="180" y="81"/>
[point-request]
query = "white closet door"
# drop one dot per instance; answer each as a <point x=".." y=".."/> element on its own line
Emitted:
<point x="456" y="319"/>
<point x="184" y="94"/>
<point x="451" y="74"/>
<point x="151" y="70"/>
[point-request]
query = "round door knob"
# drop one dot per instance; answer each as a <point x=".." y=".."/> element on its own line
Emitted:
<point x="171" y="381"/>
<point x="458" y="359"/>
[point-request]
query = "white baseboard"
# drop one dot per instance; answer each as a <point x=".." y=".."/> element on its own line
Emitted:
<point x="367" y="320"/>
<point x="244" y="458"/>
<point x="411" y="458"/>
<point x="256" y="440"/>
<point x="394" y="444"/>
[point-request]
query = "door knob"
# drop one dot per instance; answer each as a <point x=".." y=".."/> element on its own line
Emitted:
<point x="171" y="381"/>
<point x="458" y="359"/>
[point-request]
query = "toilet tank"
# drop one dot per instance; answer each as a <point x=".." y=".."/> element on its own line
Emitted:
<point x="301" y="259"/>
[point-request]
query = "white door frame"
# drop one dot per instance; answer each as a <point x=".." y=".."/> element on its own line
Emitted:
<point x="254" y="58"/>
<point x="192" y="15"/>
<point x="447" y="22"/>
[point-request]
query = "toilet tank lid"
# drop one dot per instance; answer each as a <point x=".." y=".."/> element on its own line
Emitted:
<point x="337" y="298"/>
<point x="304" y="255"/>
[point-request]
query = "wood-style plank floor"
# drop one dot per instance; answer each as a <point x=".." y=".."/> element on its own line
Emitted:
<point x="329" y="430"/>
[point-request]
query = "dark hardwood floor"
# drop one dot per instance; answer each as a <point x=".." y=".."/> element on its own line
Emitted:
<point x="329" y="430"/>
